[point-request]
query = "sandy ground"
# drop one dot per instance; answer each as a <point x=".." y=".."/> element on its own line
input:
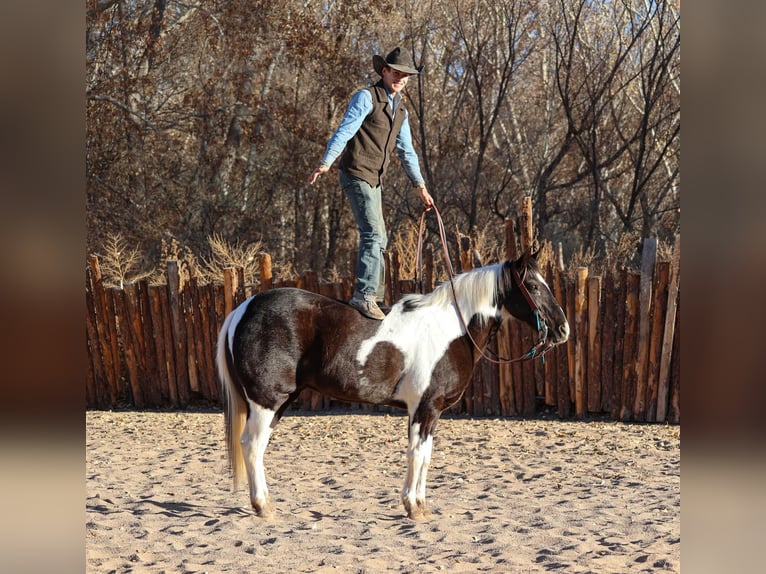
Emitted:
<point x="507" y="496"/>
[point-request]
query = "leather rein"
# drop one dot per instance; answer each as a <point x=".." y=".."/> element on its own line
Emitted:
<point x="538" y="350"/>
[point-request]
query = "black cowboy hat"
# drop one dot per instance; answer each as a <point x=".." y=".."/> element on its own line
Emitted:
<point x="396" y="59"/>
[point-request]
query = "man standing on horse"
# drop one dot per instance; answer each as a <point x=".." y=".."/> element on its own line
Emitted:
<point x="375" y="125"/>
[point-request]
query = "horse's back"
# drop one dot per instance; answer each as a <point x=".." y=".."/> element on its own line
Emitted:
<point x="287" y="315"/>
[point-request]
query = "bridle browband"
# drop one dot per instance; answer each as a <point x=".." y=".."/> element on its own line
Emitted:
<point x="543" y="345"/>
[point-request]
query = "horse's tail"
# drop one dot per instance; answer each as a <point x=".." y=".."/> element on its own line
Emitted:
<point x="234" y="407"/>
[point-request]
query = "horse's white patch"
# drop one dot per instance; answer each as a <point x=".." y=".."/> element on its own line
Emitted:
<point x="540" y="278"/>
<point x="424" y="333"/>
<point x="236" y="317"/>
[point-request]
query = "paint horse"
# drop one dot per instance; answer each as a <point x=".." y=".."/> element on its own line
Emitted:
<point x="420" y="358"/>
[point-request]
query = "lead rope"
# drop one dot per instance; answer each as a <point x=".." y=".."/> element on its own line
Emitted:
<point x="542" y="347"/>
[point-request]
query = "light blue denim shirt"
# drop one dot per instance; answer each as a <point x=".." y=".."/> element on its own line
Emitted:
<point x="359" y="107"/>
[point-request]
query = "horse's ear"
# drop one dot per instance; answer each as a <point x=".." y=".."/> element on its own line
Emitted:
<point x="523" y="261"/>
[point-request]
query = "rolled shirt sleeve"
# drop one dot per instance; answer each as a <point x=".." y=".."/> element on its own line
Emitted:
<point x="407" y="155"/>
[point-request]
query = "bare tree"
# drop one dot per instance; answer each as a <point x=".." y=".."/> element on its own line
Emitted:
<point x="205" y="119"/>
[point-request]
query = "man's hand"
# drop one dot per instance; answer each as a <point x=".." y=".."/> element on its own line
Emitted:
<point x="425" y="197"/>
<point x="317" y="172"/>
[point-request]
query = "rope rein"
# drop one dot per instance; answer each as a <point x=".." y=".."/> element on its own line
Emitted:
<point x="537" y="351"/>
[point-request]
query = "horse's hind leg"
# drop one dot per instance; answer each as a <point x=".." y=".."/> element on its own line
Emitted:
<point x="254" y="440"/>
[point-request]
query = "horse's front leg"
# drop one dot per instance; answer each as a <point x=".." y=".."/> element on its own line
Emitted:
<point x="418" y="460"/>
<point x="420" y="495"/>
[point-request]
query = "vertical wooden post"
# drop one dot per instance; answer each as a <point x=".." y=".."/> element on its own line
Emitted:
<point x="630" y="345"/>
<point x="158" y="339"/>
<point x="153" y="394"/>
<point x="528" y="371"/>
<point x="648" y="260"/>
<point x="674" y="412"/>
<point x="517" y="374"/>
<point x="229" y="288"/>
<point x="396" y="292"/>
<point x="551" y="365"/>
<point x="571" y="295"/>
<point x="99" y="382"/>
<point x="527" y="229"/>
<point x="594" y="344"/>
<point x="428" y="270"/>
<point x="107" y="331"/>
<point x="311" y="281"/>
<point x="170" y="358"/>
<point x="668" y="335"/>
<point x="129" y="346"/>
<point x="205" y="343"/>
<point x="609" y="328"/>
<point x="179" y="334"/>
<point x="505" y="380"/>
<point x="581" y="324"/>
<point x="239" y="294"/>
<point x="132" y="342"/>
<point x="564" y="400"/>
<point x="264" y="266"/>
<point x="619" y="342"/>
<point x="464" y="245"/>
<point x="659" y="306"/>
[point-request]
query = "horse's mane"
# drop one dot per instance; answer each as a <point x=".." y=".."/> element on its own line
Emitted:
<point x="476" y="292"/>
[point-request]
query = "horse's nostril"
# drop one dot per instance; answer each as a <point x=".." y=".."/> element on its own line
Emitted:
<point x="564" y="330"/>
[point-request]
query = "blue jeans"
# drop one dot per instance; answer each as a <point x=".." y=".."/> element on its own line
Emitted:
<point x="367" y="205"/>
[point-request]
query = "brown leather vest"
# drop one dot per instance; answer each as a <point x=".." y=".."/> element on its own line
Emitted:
<point x="367" y="153"/>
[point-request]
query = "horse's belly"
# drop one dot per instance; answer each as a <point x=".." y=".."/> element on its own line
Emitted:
<point x="374" y="382"/>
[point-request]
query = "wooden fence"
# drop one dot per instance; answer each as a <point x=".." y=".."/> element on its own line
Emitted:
<point x="154" y="346"/>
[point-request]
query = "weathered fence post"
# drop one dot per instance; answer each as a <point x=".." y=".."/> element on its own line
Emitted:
<point x="563" y="395"/>
<point x="97" y="375"/>
<point x="179" y="334"/>
<point x="594" y="344"/>
<point x="648" y="260"/>
<point x="464" y="248"/>
<point x="132" y="341"/>
<point x="107" y="331"/>
<point x="668" y="335"/>
<point x="428" y="270"/>
<point x="264" y="265"/>
<point x="630" y="346"/>
<point x="229" y="288"/>
<point x="610" y="325"/>
<point x="527" y="229"/>
<point x="395" y="276"/>
<point x="581" y="324"/>
<point x="659" y="307"/>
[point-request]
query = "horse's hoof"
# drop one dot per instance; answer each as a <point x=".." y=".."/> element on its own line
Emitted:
<point x="263" y="509"/>
<point x="417" y="513"/>
<point x="424" y="511"/>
